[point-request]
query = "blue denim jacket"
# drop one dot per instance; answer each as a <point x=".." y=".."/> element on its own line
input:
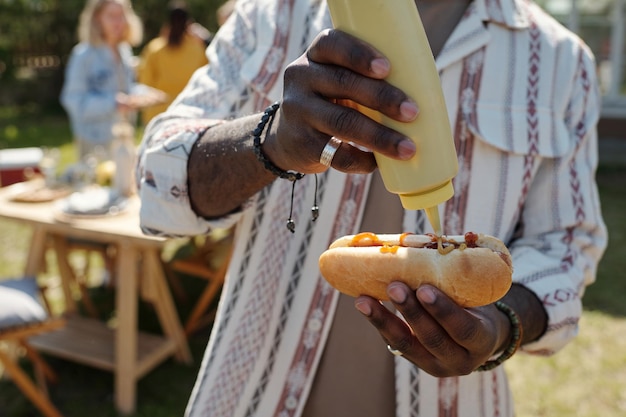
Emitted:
<point x="92" y="79"/>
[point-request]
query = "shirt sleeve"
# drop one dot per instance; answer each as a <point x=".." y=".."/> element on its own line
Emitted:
<point x="562" y="234"/>
<point x="209" y="98"/>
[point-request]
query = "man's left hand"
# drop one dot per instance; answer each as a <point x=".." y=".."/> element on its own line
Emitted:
<point x="436" y="334"/>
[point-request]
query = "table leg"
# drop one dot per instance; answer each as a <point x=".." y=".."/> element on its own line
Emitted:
<point x="164" y="305"/>
<point x="65" y="271"/>
<point x="126" y="333"/>
<point x="36" y="252"/>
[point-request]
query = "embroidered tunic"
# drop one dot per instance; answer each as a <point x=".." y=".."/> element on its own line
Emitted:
<point x="523" y="103"/>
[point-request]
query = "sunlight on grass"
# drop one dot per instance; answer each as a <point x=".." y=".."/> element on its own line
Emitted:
<point x="587" y="378"/>
<point x="11" y="132"/>
<point x="13" y="241"/>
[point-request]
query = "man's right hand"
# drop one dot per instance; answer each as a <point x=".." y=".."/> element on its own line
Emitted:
<point x="321" y="91"/>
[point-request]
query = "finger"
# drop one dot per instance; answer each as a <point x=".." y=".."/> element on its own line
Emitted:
<point x="456" y="336"/>
<point x="425" y="328"/>
<point x="306" y="142"/>
<point x="430" y="333"/>
<point x="346" y="67"/>
<point x="399" y="336"/>
<point x="350" y="125"/>
<point x="339" y="48"/>
<point x="351" y="159"/>
<point x="392" y="329"/>
<point x="463" y="327"/>
<point x="395" y="332"/>
<point x="340" y="83"/>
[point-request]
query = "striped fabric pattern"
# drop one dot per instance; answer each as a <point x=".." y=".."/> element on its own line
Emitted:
<point x="523" y="103"/>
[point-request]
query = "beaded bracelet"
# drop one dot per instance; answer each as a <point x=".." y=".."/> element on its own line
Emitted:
<point x="268" y="116"/>
<point x="267" y="119"/>
<point x="516" y="340"/>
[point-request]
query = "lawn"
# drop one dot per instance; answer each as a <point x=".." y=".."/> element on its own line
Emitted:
<point x="586" y="379"/>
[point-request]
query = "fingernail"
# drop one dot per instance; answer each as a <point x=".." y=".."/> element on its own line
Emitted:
<point x="364" y="308"/>
<point x="427" y="295"/>
<point x="396" y="294"/>
<point x="406" y="149"/>
<point x="380" y="66"/>
<point x="409" y="109"/>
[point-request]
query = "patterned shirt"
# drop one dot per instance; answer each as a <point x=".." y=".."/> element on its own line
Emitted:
<point x="523" y="104"/>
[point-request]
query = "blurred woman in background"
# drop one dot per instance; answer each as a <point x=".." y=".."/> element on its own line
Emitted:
<point x="100" y="74"/>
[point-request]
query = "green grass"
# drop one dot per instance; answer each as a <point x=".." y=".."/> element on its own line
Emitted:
<point x="586" y="379"/>
<point x="607" y="295"/>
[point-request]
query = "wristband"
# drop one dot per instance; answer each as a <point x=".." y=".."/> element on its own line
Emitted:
<point x="268" y="117"/>
<point x="516" y="339"/>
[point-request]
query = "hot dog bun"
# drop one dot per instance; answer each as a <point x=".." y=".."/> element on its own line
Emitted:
<point x="472" y="276"/>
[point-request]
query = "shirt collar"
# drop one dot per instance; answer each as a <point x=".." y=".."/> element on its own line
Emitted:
<point x="472" y="32"/>
<point x="512" y="14"/>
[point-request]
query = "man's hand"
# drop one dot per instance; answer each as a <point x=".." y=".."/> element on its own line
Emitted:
<point x="437" y="335"/>
<point x="321" y="89"/>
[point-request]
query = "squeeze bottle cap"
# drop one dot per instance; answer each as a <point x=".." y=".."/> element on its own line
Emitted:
<point x="431" y="198"/>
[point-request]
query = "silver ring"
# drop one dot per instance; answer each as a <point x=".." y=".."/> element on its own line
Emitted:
<point x="394" y="351"/>
<point x="328" y="153"/>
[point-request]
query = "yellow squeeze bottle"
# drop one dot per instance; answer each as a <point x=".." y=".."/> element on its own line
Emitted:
<point x="394" y="28"/>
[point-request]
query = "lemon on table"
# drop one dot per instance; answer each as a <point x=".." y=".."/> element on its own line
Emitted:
<point x="105" y="171"/>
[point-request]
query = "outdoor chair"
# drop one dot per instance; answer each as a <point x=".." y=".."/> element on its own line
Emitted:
<point x="22" y="315"/>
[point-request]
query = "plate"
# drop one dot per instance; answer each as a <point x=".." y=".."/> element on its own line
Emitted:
<point x="41" y="194"/>
<point x="93" y="202"/>
<point x="143" y="96"/>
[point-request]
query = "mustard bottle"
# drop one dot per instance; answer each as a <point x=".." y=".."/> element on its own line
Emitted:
<point x="394" y="28"/>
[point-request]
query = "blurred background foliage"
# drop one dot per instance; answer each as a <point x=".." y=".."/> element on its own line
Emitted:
<point x="36" y="37"/>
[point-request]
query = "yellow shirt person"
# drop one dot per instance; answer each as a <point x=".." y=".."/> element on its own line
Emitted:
<point x="168" y="61"/>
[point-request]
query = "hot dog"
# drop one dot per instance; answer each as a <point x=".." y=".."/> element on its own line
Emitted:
<point x="473" y="269"/>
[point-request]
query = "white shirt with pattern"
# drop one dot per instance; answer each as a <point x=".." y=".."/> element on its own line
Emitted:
<point x="523" y="103"/>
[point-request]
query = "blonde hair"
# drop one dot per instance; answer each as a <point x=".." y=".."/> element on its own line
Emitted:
<point x="89" y="29"/>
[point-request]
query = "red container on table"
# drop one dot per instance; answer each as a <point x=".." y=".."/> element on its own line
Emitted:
<point x="18" y="164"/>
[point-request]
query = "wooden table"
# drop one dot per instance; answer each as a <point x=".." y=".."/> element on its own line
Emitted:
<point x="123" y="350"/>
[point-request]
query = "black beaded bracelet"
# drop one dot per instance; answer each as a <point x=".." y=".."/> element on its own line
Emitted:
<point x="516" y="340"/>
<point x="268" y="116"/>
